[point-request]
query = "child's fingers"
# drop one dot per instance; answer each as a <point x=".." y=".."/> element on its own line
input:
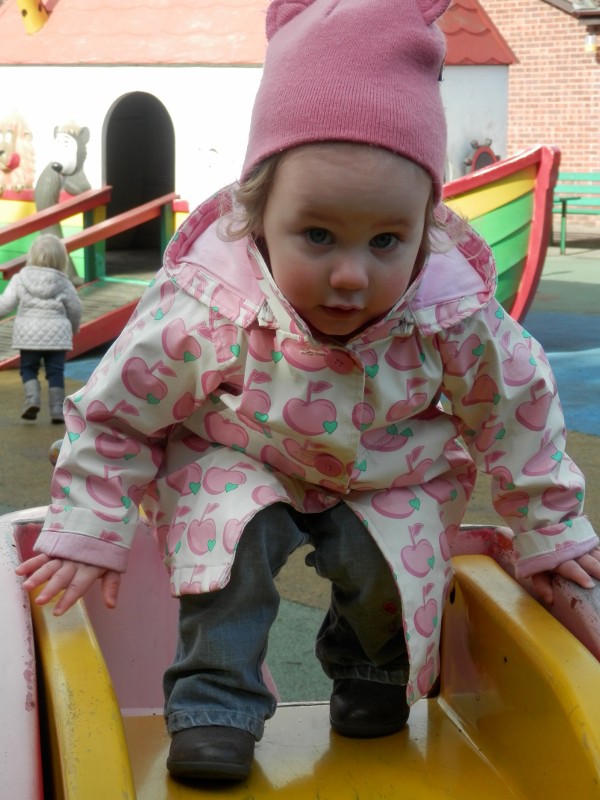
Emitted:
<point x="37" y="575"/>
<point x="32" y="564"/>
<point x="577" y="571"/>
<point x="75" y="579"/>
<point x="541" y="585"/>
<point x="111" y="582"/>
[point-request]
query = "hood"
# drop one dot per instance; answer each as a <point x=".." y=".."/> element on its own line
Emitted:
<point x="233" y="279"/>
<point x="43" y="282"/>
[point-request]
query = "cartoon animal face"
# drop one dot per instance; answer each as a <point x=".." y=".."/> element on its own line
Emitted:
<point x="69" y="150"/>
<point x="17" y="159"/>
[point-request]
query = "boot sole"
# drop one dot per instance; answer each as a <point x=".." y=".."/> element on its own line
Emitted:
<point x="30" y="412"/>
<point x="208" y="769"/>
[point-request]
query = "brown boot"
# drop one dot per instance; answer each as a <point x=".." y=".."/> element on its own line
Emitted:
<point x="215" y="752"/>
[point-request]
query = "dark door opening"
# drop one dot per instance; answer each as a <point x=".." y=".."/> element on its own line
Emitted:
<point x="139" y="164"/>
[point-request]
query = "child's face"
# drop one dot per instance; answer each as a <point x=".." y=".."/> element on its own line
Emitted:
<point x="343" y="227"/>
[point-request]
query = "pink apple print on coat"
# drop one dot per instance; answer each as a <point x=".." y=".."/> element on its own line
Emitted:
<point x="363" y="415"/>
<point x="231" y="534"/>
<point x="178" y="343"/>
<point x="115" y="445"/>
<point x="492" y="431"/>
<point x="412" y="401"/>
<point x="75" y="425"/>
<point x="396" y="503"/>
<point x="261" y="346"/>
<point x="309" y="454"/>
<point x="271" y="456"/>
<point x="311" y="417"/>
<point x="97" y="411"/>
<point x="139" y="379"/>
<point x="513" y="504"/>
<point x="256" y="404"/>
<point x="416" y="469"/>
<point x="167" y="298"/>
<point x="218" y="480"/>
<point x="418" y="557"/>
<point x="483" y="390"/>
<point x="441" y="489"/>
<point x="61" y="483"/>
<point x="426" y="616"/>
<point x="186" y="480"/>
<point x="426" y="674"/>
<point x="300" y="354"/>
<point x="519" y="366"/>
<point x="265" y="496"/>
<point x="533" y="413"/>
<point x="405" y="354"/>
<point x="223" y="431"/>
<point x="386" y="440"/>
<point x="559" y="498"/>
<point x="461" y="356"/>
<point x="106" y="489"/>
<point x="185" y="406"/>
<point x="547" y="458"/>
<point x="202" y="533"/>
<point x="225" y="340"/>
<point x="500" y="472"/>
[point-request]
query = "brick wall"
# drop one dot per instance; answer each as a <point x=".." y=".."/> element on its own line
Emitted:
<point x="554" y="89"/>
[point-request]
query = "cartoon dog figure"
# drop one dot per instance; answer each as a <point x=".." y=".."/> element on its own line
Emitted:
<point x="64" y="172"/>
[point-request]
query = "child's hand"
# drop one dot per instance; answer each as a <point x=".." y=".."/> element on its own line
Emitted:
<point x="580" y="571"/>
<point x="72" y="576"/>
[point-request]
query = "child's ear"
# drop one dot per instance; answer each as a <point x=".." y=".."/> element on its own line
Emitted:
<point x="432" y="9"/>
<point x="283" y="11"/>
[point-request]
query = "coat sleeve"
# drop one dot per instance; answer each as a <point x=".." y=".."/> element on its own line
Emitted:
<point x="171" y="355"/>
<point x="9" y="299"/>
<point x="72" y="305"/>
<point x="504" y="394"/>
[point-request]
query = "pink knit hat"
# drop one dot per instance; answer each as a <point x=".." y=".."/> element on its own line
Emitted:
<point x="363" y="71"/>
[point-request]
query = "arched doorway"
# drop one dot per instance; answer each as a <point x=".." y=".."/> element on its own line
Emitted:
<point x="139" y="163"/>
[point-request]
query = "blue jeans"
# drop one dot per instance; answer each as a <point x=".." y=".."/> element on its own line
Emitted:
<point x="54" y="364"/>
<point x="216" y="676"/>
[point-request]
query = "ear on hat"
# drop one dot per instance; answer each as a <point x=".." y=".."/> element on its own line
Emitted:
<point x="432" y="9"/>
<point x="280" y="12"/>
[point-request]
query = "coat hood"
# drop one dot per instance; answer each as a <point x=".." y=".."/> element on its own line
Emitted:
<point x="43" y="282"/>
<point x="451" y="287"/>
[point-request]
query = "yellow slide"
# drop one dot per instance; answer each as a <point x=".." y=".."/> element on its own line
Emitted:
<point x="517" y="716"/>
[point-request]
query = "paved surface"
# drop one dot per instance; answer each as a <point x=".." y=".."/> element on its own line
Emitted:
<point x="565" y="317"/>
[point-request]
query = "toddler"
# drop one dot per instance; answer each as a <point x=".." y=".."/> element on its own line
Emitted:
<point x="48" y="314"/>
<point x="279" y="385"/>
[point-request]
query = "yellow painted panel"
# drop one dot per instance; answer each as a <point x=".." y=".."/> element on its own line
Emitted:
<point x="480" y="201"/>
<point x="300" y="757"/>
<point x="85" y="732"/>
<point x="15" y="210"/>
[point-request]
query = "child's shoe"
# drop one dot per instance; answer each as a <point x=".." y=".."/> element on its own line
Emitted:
<point x="212" y="751"/>
<point x="56" y="399"/>
<point x="365" y="709"/>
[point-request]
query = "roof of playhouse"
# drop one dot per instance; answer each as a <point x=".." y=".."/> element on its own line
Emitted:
<point x="178" y="32"/>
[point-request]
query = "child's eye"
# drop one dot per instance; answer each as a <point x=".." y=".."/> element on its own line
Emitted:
<point x="383" y="241"/>
<point x="318" y="236"/>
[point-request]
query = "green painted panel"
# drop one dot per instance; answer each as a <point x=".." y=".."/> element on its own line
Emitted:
<point x="511" y="251"/>
<point x="508" y="284"/>
<point x="505" y="220"/>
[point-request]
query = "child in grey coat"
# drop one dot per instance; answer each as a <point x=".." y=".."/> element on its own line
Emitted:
<point x="48" y="314"/>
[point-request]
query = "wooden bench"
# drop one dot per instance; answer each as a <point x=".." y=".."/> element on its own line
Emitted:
<point x="575" y="193"/>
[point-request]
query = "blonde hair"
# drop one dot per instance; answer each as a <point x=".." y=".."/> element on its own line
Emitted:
<point x="245" y="206"/>
<point x="48" y="251"/>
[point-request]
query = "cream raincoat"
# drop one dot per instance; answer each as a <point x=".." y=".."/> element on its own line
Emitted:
<point x="217" y="401"/>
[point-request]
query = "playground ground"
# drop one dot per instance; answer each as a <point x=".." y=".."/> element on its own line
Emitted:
<point x="565" y="317"/>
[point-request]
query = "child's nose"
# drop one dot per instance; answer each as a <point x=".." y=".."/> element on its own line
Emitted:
<point x="349" y="272"/>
